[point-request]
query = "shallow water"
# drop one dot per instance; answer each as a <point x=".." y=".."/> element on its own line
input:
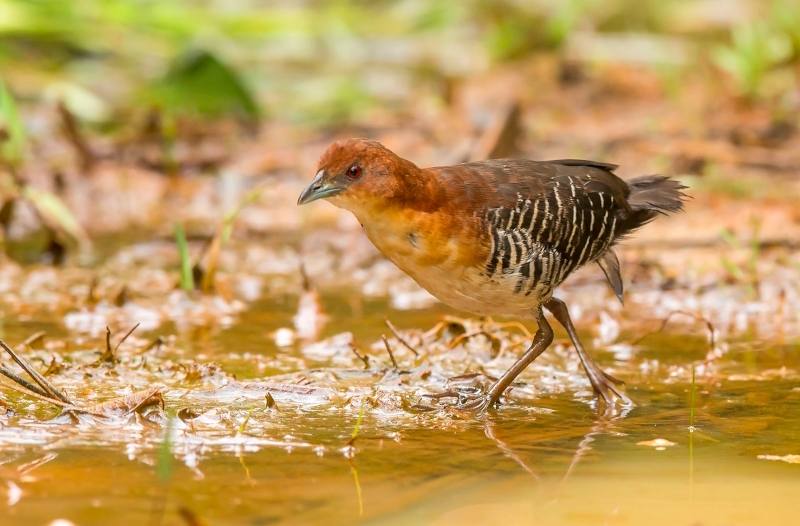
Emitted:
<point x="546" y="458"/>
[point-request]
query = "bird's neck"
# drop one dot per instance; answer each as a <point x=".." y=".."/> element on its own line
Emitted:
<point x="407" y="191"/>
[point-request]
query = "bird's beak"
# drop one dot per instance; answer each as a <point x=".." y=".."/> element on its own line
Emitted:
<point x="317" y="189"/>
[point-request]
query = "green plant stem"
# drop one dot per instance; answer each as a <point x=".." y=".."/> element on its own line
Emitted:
<point x="187" y="279"/>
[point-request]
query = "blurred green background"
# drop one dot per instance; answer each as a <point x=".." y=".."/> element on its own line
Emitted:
<point x="181" y="87"/>
<point x="330" y="61"/>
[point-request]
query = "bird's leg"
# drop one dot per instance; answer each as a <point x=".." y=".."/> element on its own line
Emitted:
<point x="604" y="384"/>
<point x="541" y="341"/>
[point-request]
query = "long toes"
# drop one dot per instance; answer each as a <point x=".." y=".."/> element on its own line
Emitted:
<point x="607" y="386"/>
<point x="610" y="392"/>
<point x="477" y="405"/>
<point x="612" y="379"/>
<point x="597" y="375"/>
<point x="469" y="400"/>
<point x="624" y="398"/>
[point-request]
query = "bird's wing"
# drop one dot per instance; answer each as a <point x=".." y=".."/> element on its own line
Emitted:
<point x="498" y="183"/>
<point x="546" y="218"/>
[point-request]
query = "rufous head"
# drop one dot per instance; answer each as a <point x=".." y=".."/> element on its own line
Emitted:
<point x="355" y="172"/>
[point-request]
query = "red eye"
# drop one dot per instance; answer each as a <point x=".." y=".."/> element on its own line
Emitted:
<point x="354" y="172"/>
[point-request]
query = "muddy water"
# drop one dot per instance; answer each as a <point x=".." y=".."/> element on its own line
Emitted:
<point x="549" y="458"/>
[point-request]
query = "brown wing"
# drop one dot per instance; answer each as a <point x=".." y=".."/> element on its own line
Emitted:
<point x="544" y="219"/>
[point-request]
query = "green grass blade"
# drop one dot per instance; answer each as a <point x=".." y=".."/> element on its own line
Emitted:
<point x="164" y="466"/>
<point x="187" y="279"/>
<point x="691" y="410"/>
<point x="358" y="422"/>
<point x="11" y="125"/>
<point x="227" y="221"/>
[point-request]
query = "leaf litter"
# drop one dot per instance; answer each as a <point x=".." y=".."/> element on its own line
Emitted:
<point x="397" y="379"/>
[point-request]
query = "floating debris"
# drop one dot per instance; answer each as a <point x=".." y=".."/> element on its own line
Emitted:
<point x="46" y="391"/>
<point x="660" y="444"/>
<point x="789" y="459"/>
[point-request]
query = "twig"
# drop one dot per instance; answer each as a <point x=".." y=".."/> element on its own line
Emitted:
<point x="49" y="393"/>
<point x="126" y="337"/>
<point x="127" y="404"/>
<point x="48" y="388"/>
<point x="400" y="338"/>
<point x="466" y="336"/>
<point x="110" y="355"/>
<point x="23" y="382"/>
<point x="516" y="324"/>
<point x="363" y="358"/>
<point x="44" y="398"/>
<point x="435" y="330"/>
<point x="389" y="350"/>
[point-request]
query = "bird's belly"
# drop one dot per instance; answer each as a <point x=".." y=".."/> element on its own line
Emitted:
<point x="443" y="269"/>
<point x="470" y="290"/>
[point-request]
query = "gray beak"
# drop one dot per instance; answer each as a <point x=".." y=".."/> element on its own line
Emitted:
<point x="317" y="190"/>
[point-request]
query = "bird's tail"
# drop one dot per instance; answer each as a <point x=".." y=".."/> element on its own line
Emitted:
<point x="651" y="195"/>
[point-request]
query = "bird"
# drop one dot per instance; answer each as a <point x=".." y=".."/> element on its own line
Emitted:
<point x="496" y="237"/>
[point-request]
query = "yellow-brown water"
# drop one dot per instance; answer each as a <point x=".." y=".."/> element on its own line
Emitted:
<point x="549" y="458"/>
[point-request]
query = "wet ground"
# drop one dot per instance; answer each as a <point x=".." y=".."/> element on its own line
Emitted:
<point x="255" y="388"/>
<point x="252" y="400"/>
<point x="548" y="456"/>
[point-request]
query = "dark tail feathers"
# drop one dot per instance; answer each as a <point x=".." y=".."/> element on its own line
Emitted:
<point x="657" y="193"/>
<point x="651" y="195"/>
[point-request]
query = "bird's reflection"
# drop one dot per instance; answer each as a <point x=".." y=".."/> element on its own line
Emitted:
<point x="603" y="423"/>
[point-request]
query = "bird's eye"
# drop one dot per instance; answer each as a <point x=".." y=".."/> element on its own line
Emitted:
<point x="354" y="172"/>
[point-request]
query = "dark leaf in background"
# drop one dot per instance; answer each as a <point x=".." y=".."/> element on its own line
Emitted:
<point x="199" y="83"/>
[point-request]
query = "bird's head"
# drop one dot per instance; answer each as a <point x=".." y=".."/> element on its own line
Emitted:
<point x="354" y="173"/>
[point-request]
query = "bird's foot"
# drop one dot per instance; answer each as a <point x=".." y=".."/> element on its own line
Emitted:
<point x="470" y="400"/>
<point x="477" y="404"/>
<point x="606" y="386"/>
